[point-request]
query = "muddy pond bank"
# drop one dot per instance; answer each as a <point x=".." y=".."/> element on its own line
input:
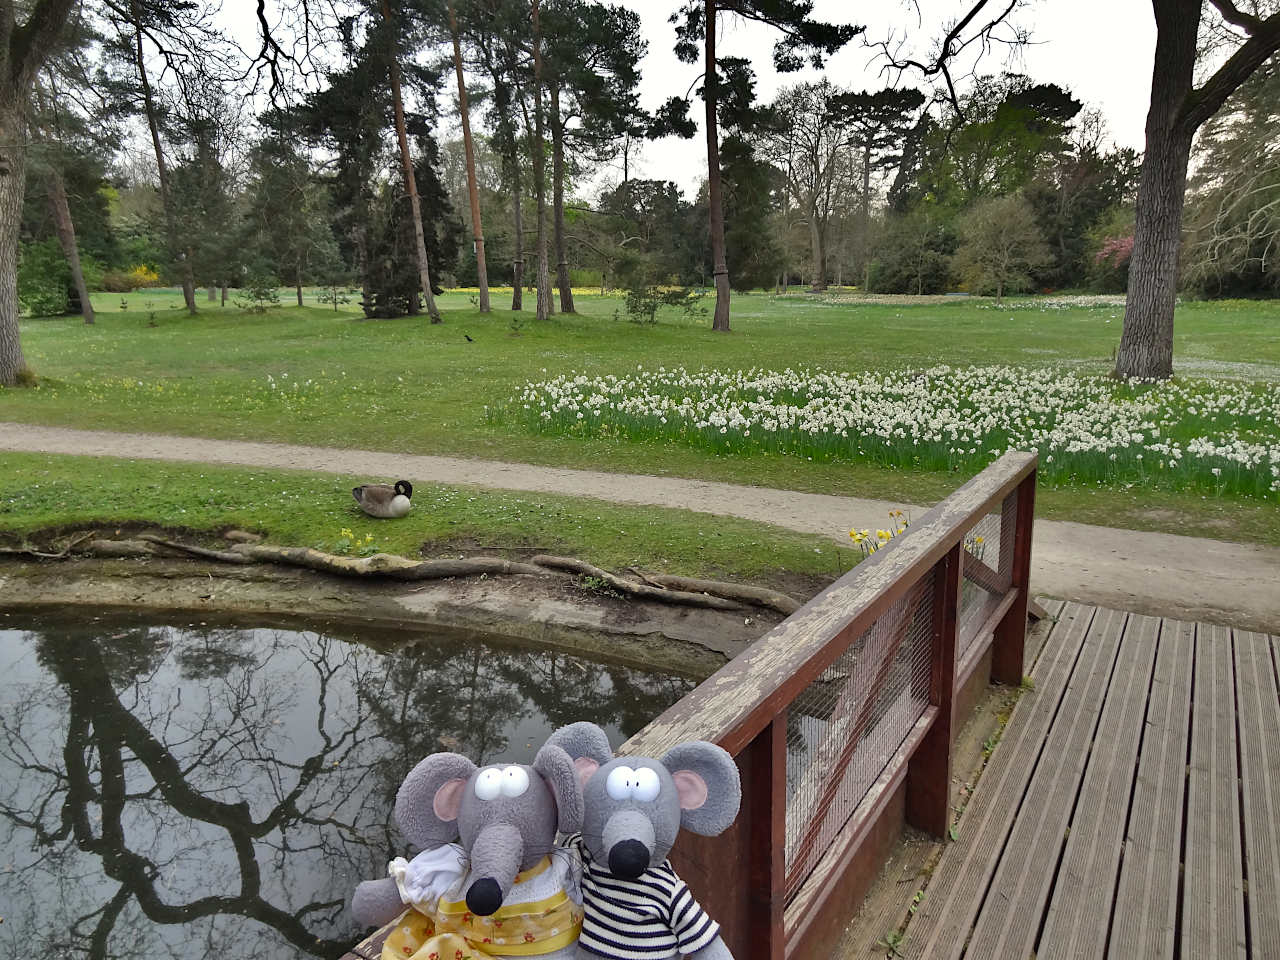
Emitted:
<point x="549" y="612"/>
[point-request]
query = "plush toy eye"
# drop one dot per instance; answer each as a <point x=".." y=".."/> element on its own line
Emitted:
<point x="647" y="785"/>
<point x="489" y="783"/>
<point x="621" y="782"/>
<point x="514" y="781"/>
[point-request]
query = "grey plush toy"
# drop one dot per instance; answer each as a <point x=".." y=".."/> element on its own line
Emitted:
<point x="506" y="817"/>
<point x="634" y="904"/>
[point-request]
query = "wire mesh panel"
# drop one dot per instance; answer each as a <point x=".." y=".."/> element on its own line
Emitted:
<point x="845" y="726"/>
<point x="988" y="572"/>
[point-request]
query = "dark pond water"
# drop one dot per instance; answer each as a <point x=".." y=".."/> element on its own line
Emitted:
<point x="193" y="790"/>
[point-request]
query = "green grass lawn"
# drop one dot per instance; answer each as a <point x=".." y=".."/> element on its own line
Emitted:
<point x="40" y="494"/>
<point x="406" y="385"/>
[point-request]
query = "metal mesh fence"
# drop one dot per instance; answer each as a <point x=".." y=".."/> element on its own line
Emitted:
<point x="988" y="565"/>
<point x="845" y="726"/>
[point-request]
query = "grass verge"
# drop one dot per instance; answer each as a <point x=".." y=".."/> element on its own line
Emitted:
<point x="405" y="386"/>
<point x="41" y="492"/>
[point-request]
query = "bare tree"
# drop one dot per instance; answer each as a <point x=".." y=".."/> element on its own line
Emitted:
<point x="809" y="146"/>
<point x="1234" y="215"/>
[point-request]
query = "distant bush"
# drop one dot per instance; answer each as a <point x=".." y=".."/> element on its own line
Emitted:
<point x="43" y="278"/>
<point x="126" y="281"/>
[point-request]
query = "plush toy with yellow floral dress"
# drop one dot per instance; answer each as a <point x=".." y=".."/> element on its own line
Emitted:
<point x="504" y="890"/>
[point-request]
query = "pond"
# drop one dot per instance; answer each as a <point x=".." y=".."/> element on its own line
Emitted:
<point x="198" y="789"/>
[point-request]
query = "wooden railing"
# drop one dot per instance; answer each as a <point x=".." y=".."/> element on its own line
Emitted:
<point x="841" y="717"/>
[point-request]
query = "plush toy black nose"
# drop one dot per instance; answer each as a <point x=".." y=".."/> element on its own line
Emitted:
<point x="485" y="897"/>
<point x="628" y="859"/>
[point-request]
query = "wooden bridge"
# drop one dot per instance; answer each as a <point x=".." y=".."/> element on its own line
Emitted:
<point x="1132" y="809"/>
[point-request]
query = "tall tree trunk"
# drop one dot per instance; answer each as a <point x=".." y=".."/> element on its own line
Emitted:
<point x="66" y="231"/>
<point x="13" y="366"/>
<point x="819" y="244"/>
<point x="297" y="279"/>
<point x="411" y="181"/>
<point x="477" y="229"/>
<point x="557" y="203"/>
<point x="517" y="222"/>
<point x="176" y="247"/>
<point x="715" y="195"/>
<point x="1146" y="345"/>
<point x="864" y="219"/>
<point x="211" y="294"/>
<point x="224" y="293"/>
<point x="540" y="171"/>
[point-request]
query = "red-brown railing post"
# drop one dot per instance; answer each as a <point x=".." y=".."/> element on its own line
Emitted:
<point x="1011" y="632"/>
<point x="764" y="800"/>
<point x="928" y="796"/>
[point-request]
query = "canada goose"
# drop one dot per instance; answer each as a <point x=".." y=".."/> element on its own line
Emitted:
<point x="384" y="500"/>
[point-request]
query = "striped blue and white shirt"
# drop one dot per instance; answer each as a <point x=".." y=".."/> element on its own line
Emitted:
<point x="653" y="917"/>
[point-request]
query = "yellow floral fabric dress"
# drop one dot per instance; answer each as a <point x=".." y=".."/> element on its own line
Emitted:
<point x="539" y="916"/>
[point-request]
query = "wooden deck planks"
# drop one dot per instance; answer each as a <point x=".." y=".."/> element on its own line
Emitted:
<point x="1213" y="896"/>
<point x="1037" y="635"/>
<point x="1146" y="910"/>
<point x="956" y="889"/>
<point x="1020" y="887"/>
<point x="1258" y="705"/>
<point x="1080" y="905"/>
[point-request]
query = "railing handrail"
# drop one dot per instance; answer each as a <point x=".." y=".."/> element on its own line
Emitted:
<point x="737" y="702"/>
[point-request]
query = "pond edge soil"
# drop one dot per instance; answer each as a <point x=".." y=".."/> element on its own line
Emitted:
<point x="546" y="612"/>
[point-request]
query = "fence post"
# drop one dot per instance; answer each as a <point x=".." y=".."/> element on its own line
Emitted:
<point x="1011" y="632"/>
<point x="764" y="803"/>
<point x="928" y="788"/>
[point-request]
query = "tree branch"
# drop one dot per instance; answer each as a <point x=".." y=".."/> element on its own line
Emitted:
<point x="1207" y="99"/>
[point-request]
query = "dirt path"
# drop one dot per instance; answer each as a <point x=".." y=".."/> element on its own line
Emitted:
<point x="1157" y="573"/>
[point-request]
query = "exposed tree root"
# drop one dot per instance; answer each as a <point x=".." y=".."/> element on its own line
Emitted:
<point x="664" y="588"/>
<point x="225" y="556"/>
<point x="28" y="551"/>
<point x="761" y="596"/>
<point x="382" y="564"/>
<point x="636" y="589"/>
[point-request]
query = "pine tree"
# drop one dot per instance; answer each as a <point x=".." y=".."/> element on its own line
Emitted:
<point x="803" y="40"/>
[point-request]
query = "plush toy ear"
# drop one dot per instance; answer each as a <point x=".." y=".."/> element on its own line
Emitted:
<point x="586" y="744"/>
<point x="427" y="802"/>
<point x="585" y="767"/>
<point x="707" y="781"/>
<point x="555" y="767"/>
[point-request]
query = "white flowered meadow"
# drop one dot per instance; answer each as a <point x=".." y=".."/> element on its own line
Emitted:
<point x="1219" y="436"/>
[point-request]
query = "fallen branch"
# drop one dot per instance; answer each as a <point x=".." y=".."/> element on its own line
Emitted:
<point x="382" y="564"/>
<point x="681" y="597"/>
<point x="761" y="596"/>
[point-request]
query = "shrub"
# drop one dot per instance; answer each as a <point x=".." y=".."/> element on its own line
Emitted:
<point x="43" y="278"/>
<point x="258" y="293"/>
<point x="647" y="291"/>
<point x="126" y="281"/>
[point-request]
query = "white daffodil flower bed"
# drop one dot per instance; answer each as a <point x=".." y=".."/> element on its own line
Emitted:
<point x="1220" y="436"/>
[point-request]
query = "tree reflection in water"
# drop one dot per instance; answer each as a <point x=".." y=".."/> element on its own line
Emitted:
<point x="190" y="791"/>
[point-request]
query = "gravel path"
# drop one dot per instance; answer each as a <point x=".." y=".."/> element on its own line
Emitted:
<point x="1157" y="573"/>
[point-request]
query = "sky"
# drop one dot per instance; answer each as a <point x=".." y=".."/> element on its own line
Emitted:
<point x="1101" y="50"/>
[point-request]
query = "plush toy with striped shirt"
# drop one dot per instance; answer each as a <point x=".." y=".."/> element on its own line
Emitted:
<point x="634" y="905"/>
